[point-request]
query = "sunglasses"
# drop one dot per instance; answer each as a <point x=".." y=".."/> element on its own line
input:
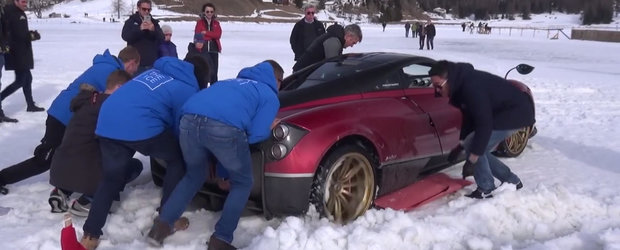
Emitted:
<point x="309" y="13"/>
<point x="209" y="11"/>
<point x="146" y="9"/>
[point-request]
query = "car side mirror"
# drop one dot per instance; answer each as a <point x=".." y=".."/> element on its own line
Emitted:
<point x="524" y="69"/>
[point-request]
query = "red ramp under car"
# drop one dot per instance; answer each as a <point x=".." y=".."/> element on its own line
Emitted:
<point x="423" y="191"/>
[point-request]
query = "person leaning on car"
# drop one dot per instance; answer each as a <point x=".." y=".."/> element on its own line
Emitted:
<point x="330" y="44"/>
<point x="305" y="31"/>
<point x="222" y="121"/>
<point x="493" y="109"/>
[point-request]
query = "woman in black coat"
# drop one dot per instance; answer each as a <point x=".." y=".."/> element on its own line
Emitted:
<point x="20" y="57"/>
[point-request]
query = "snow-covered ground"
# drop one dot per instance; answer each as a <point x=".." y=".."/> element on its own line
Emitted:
<point x="570" y="169"/>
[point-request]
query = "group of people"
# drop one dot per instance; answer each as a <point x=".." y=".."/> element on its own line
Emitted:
<point x="426" y="32"/>
<point x="147" y="100"/>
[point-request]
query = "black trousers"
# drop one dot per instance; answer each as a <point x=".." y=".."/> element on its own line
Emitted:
<point x="116" y="155"/>
<point x="40" y="162"/>
<point x="213" y="65"/>
<point x="23" y="79"/>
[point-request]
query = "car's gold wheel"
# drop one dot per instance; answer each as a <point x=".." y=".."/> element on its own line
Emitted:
<point x="348" y="186"/>
<point x="514" y="145"/>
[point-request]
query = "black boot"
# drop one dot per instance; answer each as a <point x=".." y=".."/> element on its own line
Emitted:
<point x="3" y="190"/>
<point x="159" y="231"/>
<point x="7" y="119"/>
<point x="468" y="169"/>
<point x="34" y="108"/>
<point x="217" y="244"/>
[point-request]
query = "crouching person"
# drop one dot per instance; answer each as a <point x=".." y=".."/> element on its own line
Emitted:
<point x="76" y="166"/>
<point x="222" y="121"/>
<point x="142" y="116"/>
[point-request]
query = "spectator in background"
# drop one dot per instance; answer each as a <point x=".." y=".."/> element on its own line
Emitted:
<point x="305" y="31"/>
<point x="167" y="47"/>
<point x="211" y="30"/>
<point x="414" y="30"/>
<point x="422" y="33"/>
<point x="407" y="27"/>
<point x="330" y="44"/>
<point x="59" y="114"/>
<point x="19" y="58"/>
<point x="430" y="34"/>
<point x="4" y="47"/>
<point x="383" y="24"/>
<point x="142" y="31"/>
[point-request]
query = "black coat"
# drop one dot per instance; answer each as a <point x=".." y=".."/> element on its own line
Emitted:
<point x="19" y="40"/>
<point x="76" y="165"/>
<point x="145" y="41"/>
<point x="316" y="51"/>
<point x="488" y="102"/>
<point x="430" y="30"/>
<point x="299" y="41"/>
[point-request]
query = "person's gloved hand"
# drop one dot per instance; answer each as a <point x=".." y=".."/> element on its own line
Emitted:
<point x="34" y="35"/>
<point x="468" y="169"/>
<point x="455" y="152"/>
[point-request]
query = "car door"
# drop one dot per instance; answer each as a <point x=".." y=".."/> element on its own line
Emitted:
<point x="444" y="118"/>
<point x="409" y="126"/>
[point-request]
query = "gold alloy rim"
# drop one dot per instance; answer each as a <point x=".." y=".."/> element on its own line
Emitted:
<point x="350" y="187"/>
<point x="517" y="141"/>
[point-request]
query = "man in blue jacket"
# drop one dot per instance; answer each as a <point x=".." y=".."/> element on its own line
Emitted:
<point x="223" y="121"/>
<point x="58" y="117"/>
<point x="142" y="116"/>
<point x="493" y="109"/>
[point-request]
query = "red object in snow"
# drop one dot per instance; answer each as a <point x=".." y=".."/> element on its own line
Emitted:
<point x="421" y="192"/>
<point x="68" y="240"/>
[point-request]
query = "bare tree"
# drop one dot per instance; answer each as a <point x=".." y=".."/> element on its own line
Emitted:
<point x="118" y="6"/>
<point x="37" y="7"/>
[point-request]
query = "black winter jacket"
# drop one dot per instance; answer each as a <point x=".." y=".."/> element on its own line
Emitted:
<point x="299" y="41"/>
<point x="19" y="40"/>
<point x="145" y="41"/>
<point x="316" y="51"/>
<point x="488" y="102"/>
<point x="76" y="165"/>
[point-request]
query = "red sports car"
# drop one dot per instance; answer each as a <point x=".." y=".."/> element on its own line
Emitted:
<point x="353" y="128"/>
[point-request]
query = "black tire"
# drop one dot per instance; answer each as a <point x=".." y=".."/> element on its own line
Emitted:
<point x="158" y="171"/>
<point x="344" y="186"/>
<point x="514" y="145"/>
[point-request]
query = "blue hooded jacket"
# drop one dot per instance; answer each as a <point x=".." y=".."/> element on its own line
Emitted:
<point x="249" y="102"/>
<point x="149" y="103"/>
<point x="96" y="75"/>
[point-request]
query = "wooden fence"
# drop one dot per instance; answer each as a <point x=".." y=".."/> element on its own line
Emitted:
<point x="551" y="33"/>
<point x="596" y="35"/>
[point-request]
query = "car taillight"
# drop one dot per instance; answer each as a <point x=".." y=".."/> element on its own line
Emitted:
<point x="278" y="151"/>
<point x="280" y="132"/>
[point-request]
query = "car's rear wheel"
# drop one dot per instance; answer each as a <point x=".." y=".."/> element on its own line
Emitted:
<point x="514" y="145"/>
<point x="344" y="186"/>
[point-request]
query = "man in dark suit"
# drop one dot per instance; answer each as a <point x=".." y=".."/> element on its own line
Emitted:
<point x="493" y="109"/>
<point x="19" y="57"/>
<point x="305" y="31"/>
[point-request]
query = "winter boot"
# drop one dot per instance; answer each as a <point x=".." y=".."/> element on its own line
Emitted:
<point x="7" y="119"/>
<point x="34" y="108"/>
<point x="3" y="190"/>
<point x="80" y="207"/>
<point x="159" y="231"/>
<point x="89" y="242"/>
<point x="479" y="194"/>
<point x="217" y="244"/>
<point x="58" y="201"/>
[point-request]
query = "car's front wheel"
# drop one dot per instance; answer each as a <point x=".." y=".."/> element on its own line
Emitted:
<point x="514" y="145"/>
<point x="344" y="186"/>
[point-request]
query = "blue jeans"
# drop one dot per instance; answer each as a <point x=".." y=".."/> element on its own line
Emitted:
<point x="202" y="138"/>
<point x="116" y="156"/>
<point x="488" y="166"/>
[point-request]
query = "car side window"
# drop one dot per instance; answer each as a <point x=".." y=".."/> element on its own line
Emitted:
<point x="390" y="81"/>
<point x="416" y="76"/>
